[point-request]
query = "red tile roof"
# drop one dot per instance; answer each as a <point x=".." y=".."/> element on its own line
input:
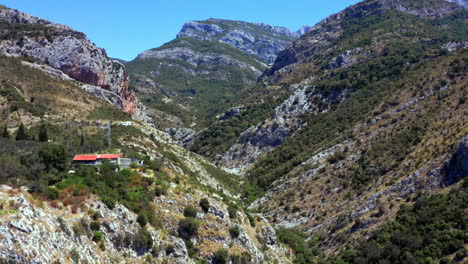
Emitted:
<point x="85" y="158"/>
<point x="108" y="156"/>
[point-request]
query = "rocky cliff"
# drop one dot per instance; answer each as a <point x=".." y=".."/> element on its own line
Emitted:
<point x="67" y="50"/>
<point x="353" y="131"/>
<point x="325" y="47"/>
<point x="262" y="40"/>
<point x="195" y="76"/>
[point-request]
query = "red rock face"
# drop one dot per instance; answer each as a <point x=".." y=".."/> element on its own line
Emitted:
<point x="72" y="53"/>
<point x="129" y="100"/>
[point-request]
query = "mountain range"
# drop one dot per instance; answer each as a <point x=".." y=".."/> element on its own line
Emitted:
<point x="343" y="142"/>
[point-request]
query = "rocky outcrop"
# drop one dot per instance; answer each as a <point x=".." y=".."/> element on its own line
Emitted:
<point x="208" y="65"/>
<point x="457" y="168"/>
<point x="260" y="139"/>
<point x="32" y="234"/>
<point x="196" y="59"/>
<point x="183" y="135"/>
<point x="304" y="29"/>
<point x="262" y="40"/>
<point x="69" y="51"/>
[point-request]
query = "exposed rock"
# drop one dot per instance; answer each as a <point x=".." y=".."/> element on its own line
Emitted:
<point x="71" y="53"/>
<point x="453" y="46"/>
<point x="230" y="113"/>
<point x="344" y="60"/>
<point x="247" y="37"/>
<point x="183" y="135"/>
<point x="258" y="140"/>
<point x="303" y="30"/>
<point x="457" y="167"/>
<point x="269" y="235"/>
<point x="199" y="31"/>
<point x="196" y="58"/>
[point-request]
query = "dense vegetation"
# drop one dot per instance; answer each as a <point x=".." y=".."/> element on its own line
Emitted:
<point x="207" y="94"/>
<point x="432" y="229"/>
<point x="370" y="84"/>
<point x="220" y="136"/>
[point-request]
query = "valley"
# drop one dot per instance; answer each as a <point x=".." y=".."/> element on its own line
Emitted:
<point x="343" y="142"/>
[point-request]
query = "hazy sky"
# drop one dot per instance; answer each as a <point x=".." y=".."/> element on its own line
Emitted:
<point x="127" y="27"/>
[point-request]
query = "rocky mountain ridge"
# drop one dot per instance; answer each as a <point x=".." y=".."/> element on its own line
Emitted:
<point x="325" y="159"/>
<point x="66" y="50"/>
<point x="262" y="40"/>
<point x="317" y="42"/>
<point x="189" y="80"/>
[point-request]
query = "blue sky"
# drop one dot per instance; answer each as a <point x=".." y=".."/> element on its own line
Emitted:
<point x="125" y="28"/>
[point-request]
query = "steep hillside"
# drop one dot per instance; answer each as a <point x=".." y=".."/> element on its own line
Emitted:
<point x="359" y="115"/>
<point x="174" y="207"/>
<point x="188" y="81"/>
<point x="66" y="50"/>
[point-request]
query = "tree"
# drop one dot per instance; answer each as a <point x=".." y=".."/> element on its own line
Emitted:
<point x="5" y="133"/>
<point x="205" y="204"/>
<point x="21" y="134"/>
<point x="142" y="219"/>
<point x="82" y="139"/>
<point x="53" y="156"/>
<point x="43" y="137"/>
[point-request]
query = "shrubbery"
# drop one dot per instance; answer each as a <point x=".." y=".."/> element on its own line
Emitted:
<point x="432" y="228"/>
<point x="190" y="211"/>
<point x="221" y="256"/>
<point x="234" y="231"/>
<point x="205" y="204"/>
<point x="188" y="227"/>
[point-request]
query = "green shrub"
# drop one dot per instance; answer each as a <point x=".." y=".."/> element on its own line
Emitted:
<point x="232" y="210"/>
<point x="95" y="226"/>
<point x="221" y="256"/>
<point x="188" y="227"/>
<point x="75" y="256"/>
<point x="160" y="190"/>
<point x="142" y="241"/>
<point x="251" y="219"/>
<point x="234" y="231"/>
<point x="97" y="236"/>
<point x="205" y="204"/>
<point x="52" y="193"/>
<point x="430" y="229"/>
<point x="170" y="249"/>
<point x="54" y="156"/>
<point x="21" y="133"/>
<point x="190" y="211"/>
<point x="142" y="219"/>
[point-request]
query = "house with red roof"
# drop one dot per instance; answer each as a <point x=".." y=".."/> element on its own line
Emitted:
<point x="96" y="159"/>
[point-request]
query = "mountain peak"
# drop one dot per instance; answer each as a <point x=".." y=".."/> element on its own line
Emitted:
<point x="262" y="40"/>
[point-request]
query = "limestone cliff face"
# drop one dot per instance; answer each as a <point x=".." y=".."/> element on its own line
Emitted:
<point x="262" y="40"/>
<point x="208" y="65"/>
<point x="67" y="50"/>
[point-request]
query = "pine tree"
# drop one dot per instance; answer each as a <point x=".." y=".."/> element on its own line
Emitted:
<point x="21" y="134"/>
<point x="43" y="137"/>
<point x="82" y="139"/>
<point x="5" y="133"/>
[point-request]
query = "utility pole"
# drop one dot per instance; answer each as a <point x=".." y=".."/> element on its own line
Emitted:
<point x="108" y="127"/>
